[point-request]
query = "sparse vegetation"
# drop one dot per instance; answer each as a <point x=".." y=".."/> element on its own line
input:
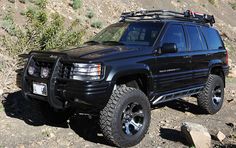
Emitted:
<point x="12" y="1"/>
<point x="42" y="31"/>
<point x="90" y="14"/>
<point x="22" y="1"/>
<point x="233" y="5"/>
<point x="212" y="2"/>
<point x="76" y="4"/>
<point x="41" y="3"/>
<point x="178" y="1"/>
<point x="97" y="24"/>
<point x="8" y="22"/>
<point x="46" y="133"/>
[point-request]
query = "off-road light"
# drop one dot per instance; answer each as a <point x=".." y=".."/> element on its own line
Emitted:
<point x="82" y="71"/>
<point x="44" y="72"/>
<point x="31" y="70"/>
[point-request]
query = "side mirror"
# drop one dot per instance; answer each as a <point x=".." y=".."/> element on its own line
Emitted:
<point x="169" y="48"/>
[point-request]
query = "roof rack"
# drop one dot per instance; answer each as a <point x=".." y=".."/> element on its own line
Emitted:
<point x="188" y="15"/>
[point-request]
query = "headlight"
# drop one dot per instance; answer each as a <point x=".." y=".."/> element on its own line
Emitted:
<point x="44" y="72"/>
<point x="82" y="71"/>
<point x="31" y="70"/>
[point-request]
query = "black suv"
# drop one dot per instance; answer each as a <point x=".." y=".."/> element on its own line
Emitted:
<point x="147" y="58"/>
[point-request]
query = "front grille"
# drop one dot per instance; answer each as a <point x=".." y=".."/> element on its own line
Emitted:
<point x="64" y="70"/>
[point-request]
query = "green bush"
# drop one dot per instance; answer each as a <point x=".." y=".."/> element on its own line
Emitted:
<point x="233" y="5"/>
<point x="76" y="4"/>
<point x="41" y="32"/>
<point x="212" y="2"/>
<point x="97" y="24"/>
<point x="8" y="23"/>
<point x="90" y="14"/>
<point x="41" y="3"/>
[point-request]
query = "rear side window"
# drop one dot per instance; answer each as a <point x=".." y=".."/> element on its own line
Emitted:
<point x="212" y="38"/>
<point x="175" y="34"/>
<point x="194" y="38"/>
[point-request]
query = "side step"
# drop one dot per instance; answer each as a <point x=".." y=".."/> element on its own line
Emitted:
<point x="177" y="95"/>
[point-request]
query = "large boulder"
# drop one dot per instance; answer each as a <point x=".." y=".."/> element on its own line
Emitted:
<point x="196" y="135"/>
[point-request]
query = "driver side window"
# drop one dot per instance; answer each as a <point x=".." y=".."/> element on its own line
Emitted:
<point x="175" y="34"/>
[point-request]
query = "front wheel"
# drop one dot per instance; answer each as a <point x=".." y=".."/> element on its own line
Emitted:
<point x="125" y="119"/>
<point x="212" y="97"/>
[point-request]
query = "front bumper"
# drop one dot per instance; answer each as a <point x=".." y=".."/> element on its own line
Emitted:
<point x="63" y="92"/>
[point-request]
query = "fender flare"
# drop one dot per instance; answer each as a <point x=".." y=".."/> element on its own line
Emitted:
<point x="215" y="63"/>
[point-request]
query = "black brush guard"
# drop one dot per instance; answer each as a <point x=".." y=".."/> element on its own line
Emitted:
<point x="51" y="83"/>
<point x="62" y="91"/>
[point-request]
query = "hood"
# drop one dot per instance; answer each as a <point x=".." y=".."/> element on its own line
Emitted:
<point x="95" y="51"/>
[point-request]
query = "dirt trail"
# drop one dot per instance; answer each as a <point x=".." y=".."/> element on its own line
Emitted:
<point x="22" y="125"/>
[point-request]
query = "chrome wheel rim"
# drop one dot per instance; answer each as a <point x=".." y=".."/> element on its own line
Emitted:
<point x="132" y="119"/>
<point x="217" y="96"/>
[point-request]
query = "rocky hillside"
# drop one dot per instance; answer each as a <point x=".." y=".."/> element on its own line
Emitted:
<point x="92" y="16"/>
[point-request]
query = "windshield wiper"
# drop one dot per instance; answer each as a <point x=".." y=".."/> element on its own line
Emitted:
<point x="113" y="42"/>
<point x="92" y="42"/>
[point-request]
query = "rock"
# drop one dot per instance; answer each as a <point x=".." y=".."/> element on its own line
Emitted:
<point x="189" y="114"/>
<point x="232" y="73"/>
<point x="233" y="92"/>
<point x="20" y="146"/>
<point x="196" y="135"/>
<point x="1" y="92"/>
<point x="220" y="136"/>
<point x="52" y="135"/>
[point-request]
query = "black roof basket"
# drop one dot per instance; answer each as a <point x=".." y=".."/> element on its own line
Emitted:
<point x="188" y="15"/>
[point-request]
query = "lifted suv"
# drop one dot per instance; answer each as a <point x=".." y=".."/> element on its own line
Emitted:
<point x="147" y="58"/>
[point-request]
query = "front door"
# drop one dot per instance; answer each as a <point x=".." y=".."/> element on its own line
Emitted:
<point x="173" y="69"/>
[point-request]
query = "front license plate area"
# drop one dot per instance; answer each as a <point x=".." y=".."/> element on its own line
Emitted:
<point x="40" y="89"/>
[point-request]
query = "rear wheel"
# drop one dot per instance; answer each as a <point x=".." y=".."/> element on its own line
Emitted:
<point x="212" y="97"/>
<point x="126" y="118"/>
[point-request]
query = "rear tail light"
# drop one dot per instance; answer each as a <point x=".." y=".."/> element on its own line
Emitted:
<point x="227" y="57"/>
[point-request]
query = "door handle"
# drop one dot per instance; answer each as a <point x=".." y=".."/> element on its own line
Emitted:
<point x="187" y="57"/>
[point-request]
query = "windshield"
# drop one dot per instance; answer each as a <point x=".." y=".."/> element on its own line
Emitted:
<point x="138" y="33"/>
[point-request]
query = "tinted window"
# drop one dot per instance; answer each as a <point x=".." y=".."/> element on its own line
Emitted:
<point x="175" y="34"/>
<point x="202" y="39"/>
<point x="144" y="33"/>
<point x="212" y="37"/>
<point x="194" y="38"/>
<point x="141" y="33"/>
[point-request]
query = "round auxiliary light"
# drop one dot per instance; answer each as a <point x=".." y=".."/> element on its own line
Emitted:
<point x="31" y="70"/>
<point x="44" y="72"/>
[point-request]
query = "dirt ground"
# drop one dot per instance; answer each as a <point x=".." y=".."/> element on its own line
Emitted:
<point x="23" y="125"/>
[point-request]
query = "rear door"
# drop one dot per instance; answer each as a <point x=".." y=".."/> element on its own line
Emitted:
<point x="215" y="45"/>
<point x="173" y="69"/>
<point x="200" y="55"/>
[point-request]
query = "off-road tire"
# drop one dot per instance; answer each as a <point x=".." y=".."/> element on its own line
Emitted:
<point x="110" y="116"/>
<point x="205" y="97"/>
